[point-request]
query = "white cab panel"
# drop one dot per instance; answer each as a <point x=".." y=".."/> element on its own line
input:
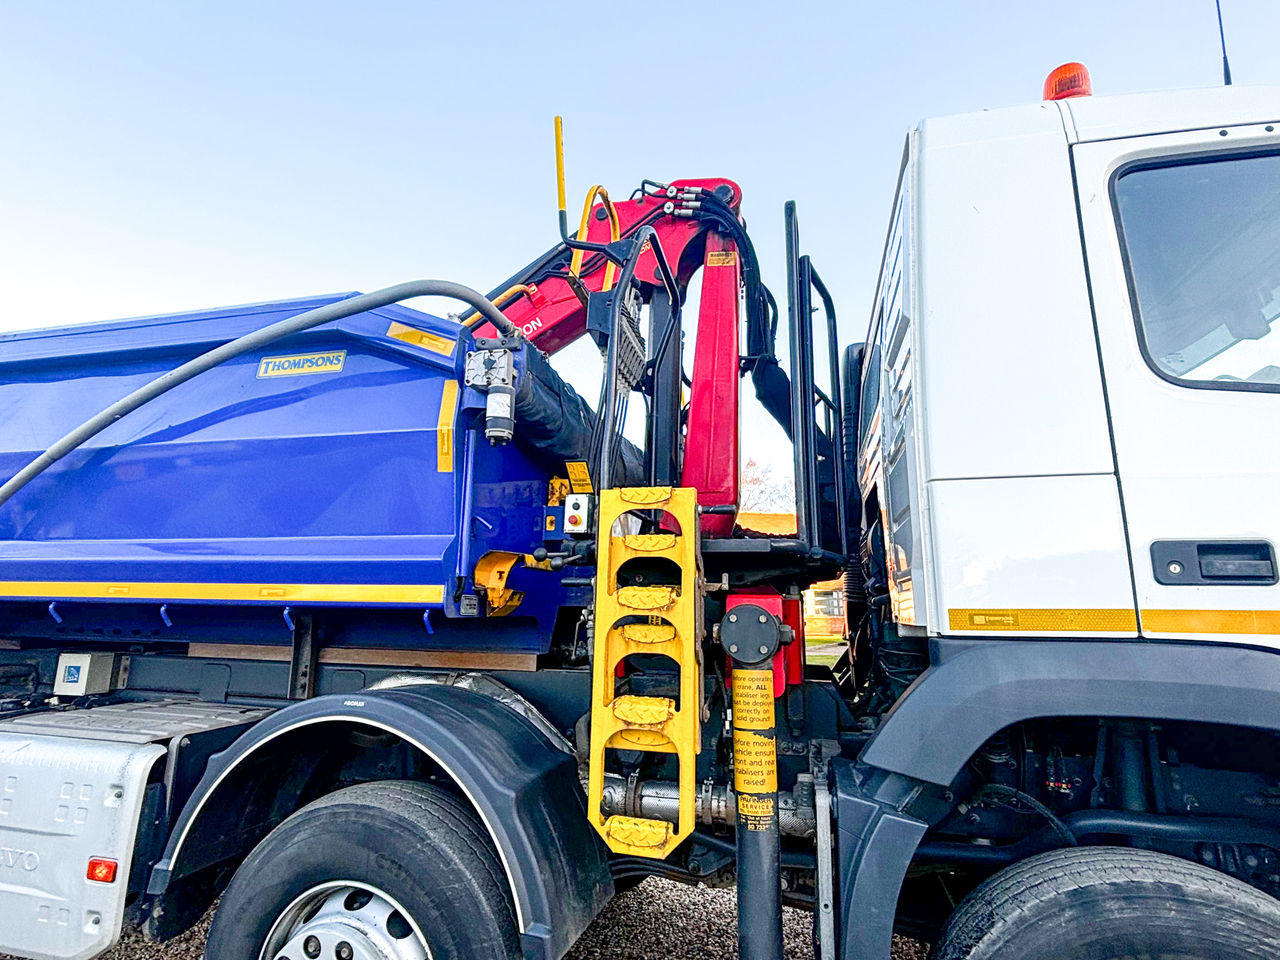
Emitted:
<point x="1140" y="114"/>
<point x="1007" y="378"/>
<point x="1197" y="464"/>
<point x="1030" y="556"/>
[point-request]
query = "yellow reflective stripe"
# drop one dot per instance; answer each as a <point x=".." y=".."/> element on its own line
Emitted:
<point x="1043" y="620"/>
<point x="421" y="338"/>
<point x="444" y="427"/>
<point x="1211" y="621"/>
<point x="288" y="592"/>
<point x="1118" y="620"/>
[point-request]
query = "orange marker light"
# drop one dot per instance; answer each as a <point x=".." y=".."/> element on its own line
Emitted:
<point x="1068" y="80"/>
<point x="102" y="871"/>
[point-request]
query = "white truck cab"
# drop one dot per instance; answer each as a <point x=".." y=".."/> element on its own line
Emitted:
<point x="1071" y="376"/>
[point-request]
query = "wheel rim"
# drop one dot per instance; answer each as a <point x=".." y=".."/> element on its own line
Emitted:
<point x="345" y="920"/>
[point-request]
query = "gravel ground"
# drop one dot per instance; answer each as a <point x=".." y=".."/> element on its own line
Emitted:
<point x="659" y="920"/>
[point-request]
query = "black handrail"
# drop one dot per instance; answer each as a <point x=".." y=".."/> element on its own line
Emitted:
<point x="806" y="396"/>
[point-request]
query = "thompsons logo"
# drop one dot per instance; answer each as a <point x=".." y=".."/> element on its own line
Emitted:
<point x="302" y="363"/>
<point x="19" y="859"/>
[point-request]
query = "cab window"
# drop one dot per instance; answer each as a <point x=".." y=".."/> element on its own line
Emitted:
<point x="1201" y="239"/>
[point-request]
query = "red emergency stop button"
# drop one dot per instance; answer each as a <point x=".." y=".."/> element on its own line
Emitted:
<point x="102" y="870"/>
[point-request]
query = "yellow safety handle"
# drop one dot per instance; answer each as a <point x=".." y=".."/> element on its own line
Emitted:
<point x="560" y="168"/>
<point x="575" y="265"/>
<point x="615" y="232"/>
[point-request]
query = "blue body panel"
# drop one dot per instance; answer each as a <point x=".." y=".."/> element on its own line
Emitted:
<point x="346" y="486"/>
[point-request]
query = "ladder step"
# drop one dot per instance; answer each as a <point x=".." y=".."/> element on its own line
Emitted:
<point x="648" y="632"/>
<point x="644" y="495"/>
<point x="644" y="711"/>
<point x="647" y="598"/>
<point x="638" y="832"/>
<point x="649" y="542"/>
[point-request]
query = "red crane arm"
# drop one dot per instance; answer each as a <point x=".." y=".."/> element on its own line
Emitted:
<point x="552" y="314"/>
<point x="549" y="307"/>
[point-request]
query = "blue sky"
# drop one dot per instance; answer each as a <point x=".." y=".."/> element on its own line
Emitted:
<point x="162" y="156"/>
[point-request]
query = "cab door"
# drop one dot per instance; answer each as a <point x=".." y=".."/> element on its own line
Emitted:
<point x="1182" y="236"/>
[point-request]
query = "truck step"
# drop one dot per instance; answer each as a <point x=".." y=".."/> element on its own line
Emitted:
<point x="646" y="619"/>
<point x="647" y="598"/>
<point x="644" y="711"/>
<point x="637" y="834"/>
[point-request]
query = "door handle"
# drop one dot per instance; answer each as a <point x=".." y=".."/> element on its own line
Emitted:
<point x="1210" y="562"/>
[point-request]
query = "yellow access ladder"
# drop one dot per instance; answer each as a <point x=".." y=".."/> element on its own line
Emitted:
<point x="631" y="620"/>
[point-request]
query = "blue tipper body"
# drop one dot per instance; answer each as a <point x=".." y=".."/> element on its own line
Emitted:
<point x="336" y="468"/>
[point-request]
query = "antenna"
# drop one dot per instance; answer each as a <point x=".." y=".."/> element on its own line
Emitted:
<point x="1222" y="37"/>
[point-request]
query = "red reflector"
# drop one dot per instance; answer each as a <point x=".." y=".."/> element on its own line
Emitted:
<point x="102" y="871"/>
<point x="1068" y="80"/>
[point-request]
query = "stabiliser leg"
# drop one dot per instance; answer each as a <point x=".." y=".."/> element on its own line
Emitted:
<point x="751" y="636"/>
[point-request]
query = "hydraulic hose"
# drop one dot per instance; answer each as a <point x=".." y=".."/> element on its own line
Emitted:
<point x="249" y="342"/>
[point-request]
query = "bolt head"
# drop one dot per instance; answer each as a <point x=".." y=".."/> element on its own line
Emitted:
<point x="1175" y="567"/>
<point x="311" y="947"/>
<point x="733" y="618"/>
<point x="733" y="648"/>
<point x="763" y="618"/>
<point x="343" y="951"/>
<point x="764" y="648"/>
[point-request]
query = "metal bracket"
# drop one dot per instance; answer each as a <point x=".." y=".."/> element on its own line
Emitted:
<point x="824" y="910"/>
<point x="491" y="575"/>
<point x="303" y="657"/>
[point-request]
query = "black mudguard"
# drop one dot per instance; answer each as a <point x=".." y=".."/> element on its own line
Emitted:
<point x="524" y="787"/>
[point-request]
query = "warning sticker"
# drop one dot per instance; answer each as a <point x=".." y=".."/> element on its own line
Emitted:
<point x="722" y="258"/>
<point x="753" y="699"/>
<point x="750" y="806"/>
<point x="755" y="763"/>
<point x="579" y="476"/>
<point x="755" y="813"/>
<point x="421" y="338"/>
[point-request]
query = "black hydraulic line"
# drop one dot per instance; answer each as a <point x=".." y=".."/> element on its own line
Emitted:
<point x="609" y="400"/>
<point x="663" y="420"/>
<point x="1097" y="823"/>
<point x="246" y="344"/>
<point x="1012" y="793"/>
<point x="1178" y="829"/>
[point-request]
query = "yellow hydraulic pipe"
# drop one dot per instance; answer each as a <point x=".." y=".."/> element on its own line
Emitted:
<point x="473" y="318"/>
<point x="575" y="265"/>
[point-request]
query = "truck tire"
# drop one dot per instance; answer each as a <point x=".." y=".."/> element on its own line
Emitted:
<point x="392" y="869"/>
<point x="1109" y="903"/>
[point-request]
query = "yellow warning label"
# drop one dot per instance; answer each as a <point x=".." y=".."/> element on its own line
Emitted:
<point x="444" y="426"/>
<point x="421" y="338"/>
<point x="755" y="763"/>
<point x="722" y="258"/>
<point x="753" y="699"/>
<point x="579" y="476"/>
